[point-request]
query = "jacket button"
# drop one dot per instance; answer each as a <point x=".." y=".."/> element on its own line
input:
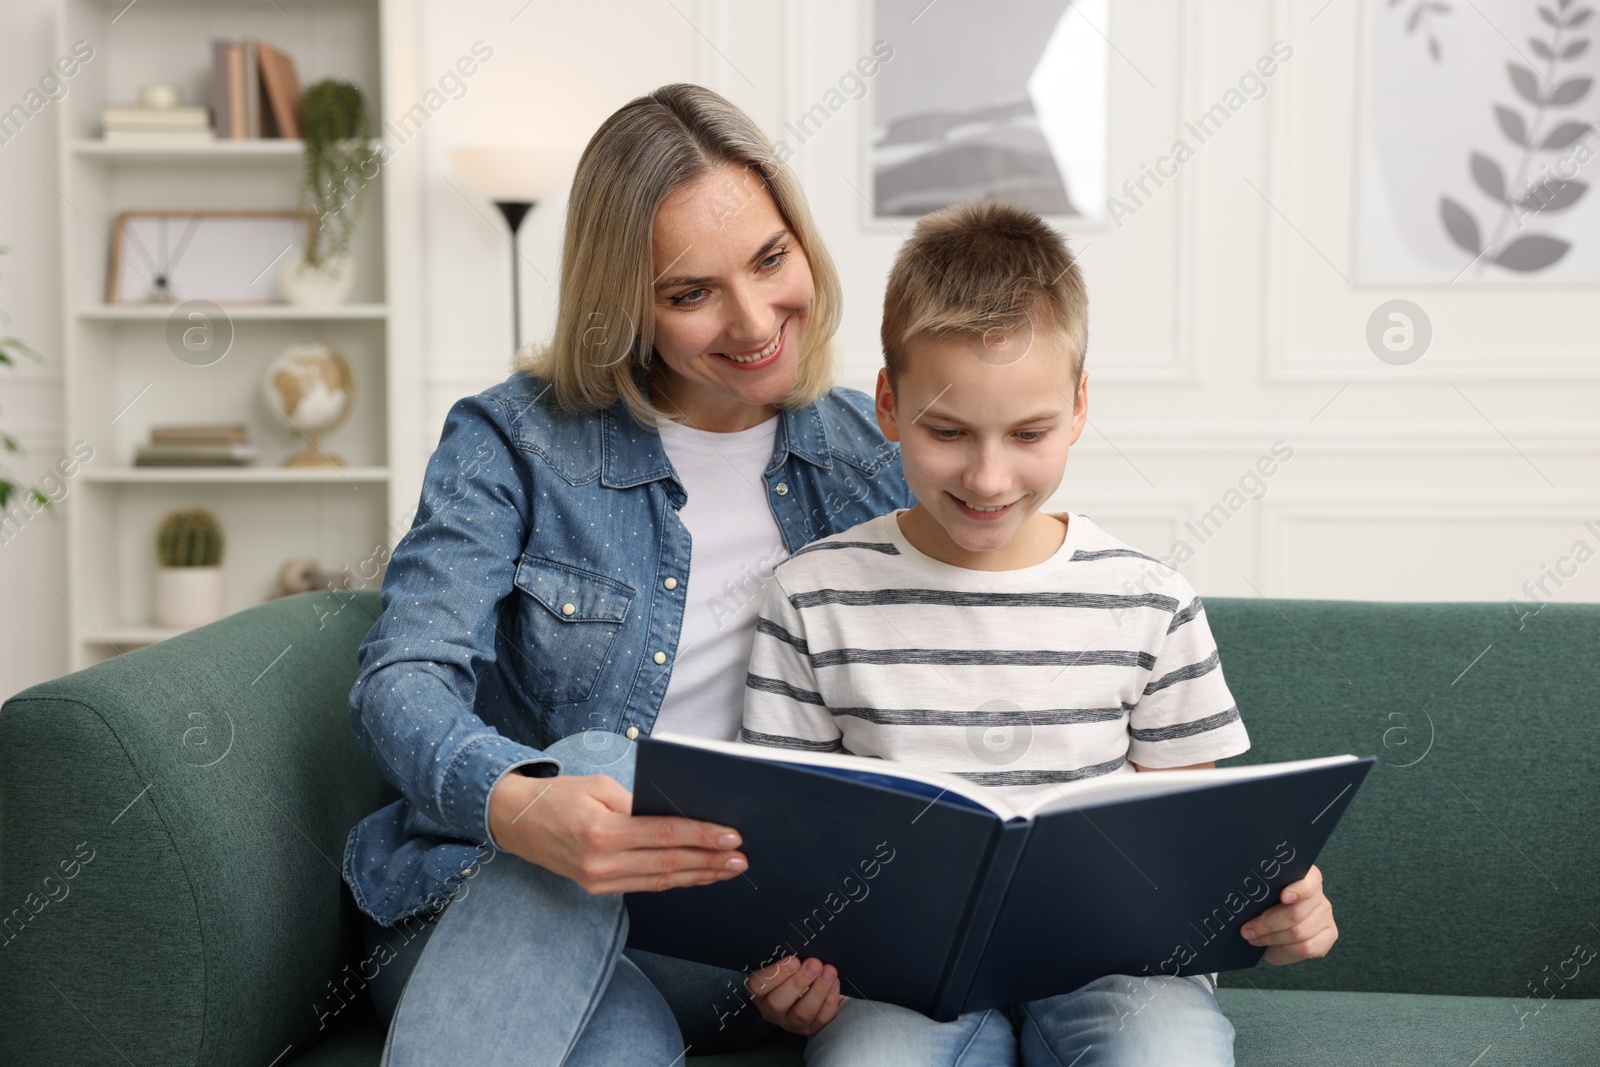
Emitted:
<point x="660" y="657"/>
<point x="671" y="583"/>
<point x="568" y="609"/>
<point x="631" y="733"/>
<point x="782" y="488"/>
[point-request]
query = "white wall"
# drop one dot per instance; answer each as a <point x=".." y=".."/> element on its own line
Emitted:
<point x="1221" y="319"/>
<point x="33" y="617"/>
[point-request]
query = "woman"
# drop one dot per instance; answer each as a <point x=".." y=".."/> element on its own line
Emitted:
<point x="582" y="570"/>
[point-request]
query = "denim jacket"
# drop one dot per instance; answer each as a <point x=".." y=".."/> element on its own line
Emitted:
<point x="544" y="576"/>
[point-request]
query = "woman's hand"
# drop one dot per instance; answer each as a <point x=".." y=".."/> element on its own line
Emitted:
<point x="801" y="998"/>
<point x="581" y="827"/>
<point x="1300" y="928"/>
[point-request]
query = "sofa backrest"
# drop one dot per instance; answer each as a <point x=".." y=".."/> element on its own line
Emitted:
<point x="1469" y="862"/>
<point x="172" y="823"/>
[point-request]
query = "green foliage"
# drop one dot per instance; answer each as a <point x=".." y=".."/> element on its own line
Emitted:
<point x="191" y="537"/>
<point x="340" y="161"/>
<point x="11" y="350"/>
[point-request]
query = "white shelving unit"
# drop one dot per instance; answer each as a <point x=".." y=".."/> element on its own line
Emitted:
<point x="120" y="377"/>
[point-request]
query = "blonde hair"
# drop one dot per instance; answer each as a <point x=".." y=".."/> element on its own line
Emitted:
<point x="979" y="268"/>
<point x="604" y="340"/>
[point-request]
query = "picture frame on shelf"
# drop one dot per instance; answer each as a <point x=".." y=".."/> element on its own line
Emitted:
<point x="167" y="257"/>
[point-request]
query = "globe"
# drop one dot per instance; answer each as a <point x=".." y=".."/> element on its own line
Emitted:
<point x="311" y="388"/>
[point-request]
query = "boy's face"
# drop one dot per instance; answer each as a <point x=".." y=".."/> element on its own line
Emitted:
<point x="983" y="435"/>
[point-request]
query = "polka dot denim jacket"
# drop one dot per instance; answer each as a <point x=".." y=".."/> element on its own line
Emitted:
<point x="542" y="580"/>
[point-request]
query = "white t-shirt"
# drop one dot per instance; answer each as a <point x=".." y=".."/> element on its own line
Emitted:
<point x="736" y="544"/>
<point x="1015" y="680"/>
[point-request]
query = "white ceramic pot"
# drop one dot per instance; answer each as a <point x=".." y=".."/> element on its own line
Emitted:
<point x="189" y="596"/>
<point x="327" y="285"/>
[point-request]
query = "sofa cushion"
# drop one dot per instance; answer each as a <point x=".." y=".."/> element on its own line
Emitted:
<point x="1272" y="1028"/>
<point x="1287" y="1028"/>
<point x="1468" y="862"/>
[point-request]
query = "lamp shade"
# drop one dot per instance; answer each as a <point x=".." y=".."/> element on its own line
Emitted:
<point x="511" y="173"/>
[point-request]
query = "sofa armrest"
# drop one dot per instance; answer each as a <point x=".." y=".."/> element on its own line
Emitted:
<point x="172" y="823"/>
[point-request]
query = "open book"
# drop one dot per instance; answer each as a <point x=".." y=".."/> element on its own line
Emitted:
<point x="930" y="892"/>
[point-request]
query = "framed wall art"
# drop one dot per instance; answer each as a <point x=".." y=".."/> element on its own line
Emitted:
<point x="167" y="257"/>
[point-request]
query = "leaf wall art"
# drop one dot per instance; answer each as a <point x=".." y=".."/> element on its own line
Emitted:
<point x="1480" y="151"/>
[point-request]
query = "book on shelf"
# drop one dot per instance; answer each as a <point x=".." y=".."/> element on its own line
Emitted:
<point x="137" y="124"/>
<point x="928" y="891"/>
<point x="200" y="433"/>
<point x="238" y="112"/>
<point x="198" y="454"/>
<point x="252" y="90"/>
<point x="255" y="91"/>
<point x="140" y="117"/>
<point x="159" y="137"/>
<point x="282" y="87"/>
<point x="221" y="112"/>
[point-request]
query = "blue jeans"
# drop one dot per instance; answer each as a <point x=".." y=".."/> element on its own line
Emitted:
<point x="1116" y="1020"/>
<point x="524" y="967"/>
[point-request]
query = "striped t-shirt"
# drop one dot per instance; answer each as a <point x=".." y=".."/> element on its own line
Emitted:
<point x="1016" y="680"/>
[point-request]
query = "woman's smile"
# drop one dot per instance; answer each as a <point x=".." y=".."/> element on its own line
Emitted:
<point x="764" y="356"/>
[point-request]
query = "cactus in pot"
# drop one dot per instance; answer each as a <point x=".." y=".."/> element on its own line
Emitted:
<point x="190" y="538"/>
<point x="189" y="589"/>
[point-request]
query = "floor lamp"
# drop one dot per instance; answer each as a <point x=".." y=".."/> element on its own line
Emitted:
<point x="515" y="179"/>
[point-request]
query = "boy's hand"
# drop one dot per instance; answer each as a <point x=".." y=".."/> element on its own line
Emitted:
<point x="1298" y="929"/>
<point x="801" y="998"/>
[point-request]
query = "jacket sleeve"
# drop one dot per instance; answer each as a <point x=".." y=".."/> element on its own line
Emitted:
<point x="411" y="707"/>
<point x="783" y="706"/>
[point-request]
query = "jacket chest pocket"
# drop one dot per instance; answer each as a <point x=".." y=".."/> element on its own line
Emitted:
<point x="569" y="618"/>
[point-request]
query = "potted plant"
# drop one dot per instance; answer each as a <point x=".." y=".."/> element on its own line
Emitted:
<point x="340" y="161"/>
<point x="189" y="589"/>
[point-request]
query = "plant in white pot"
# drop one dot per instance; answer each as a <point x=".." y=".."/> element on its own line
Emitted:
<point x="189" y="590"/>
<point x="340" y="161"/>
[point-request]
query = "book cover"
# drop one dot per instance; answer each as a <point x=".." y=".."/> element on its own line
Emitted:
<point x="220" y="112"/>
<point x="159" y="137"/>
<point x="252" y="90"/>
<point x="201" y="432"/>
<point x="932" y="893"/>
<point x="282" y="87"/>
<point x="237" y="118"/>
<point x="138" y="116"/>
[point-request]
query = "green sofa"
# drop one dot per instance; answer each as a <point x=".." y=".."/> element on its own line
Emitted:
<point x="172" y="823"/>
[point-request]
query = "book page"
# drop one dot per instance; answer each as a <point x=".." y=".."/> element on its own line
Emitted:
<point x="902" y="776"/>
<point x="941" y="787"/>
<point x="1111" y="788"/>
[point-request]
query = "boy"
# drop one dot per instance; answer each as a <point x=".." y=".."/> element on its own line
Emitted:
<point x="977" y="634"/>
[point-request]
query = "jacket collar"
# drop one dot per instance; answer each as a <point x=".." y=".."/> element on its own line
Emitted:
<point x="633" y="454"/>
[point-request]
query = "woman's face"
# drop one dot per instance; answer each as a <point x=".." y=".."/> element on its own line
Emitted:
<point x="733" y="297"/>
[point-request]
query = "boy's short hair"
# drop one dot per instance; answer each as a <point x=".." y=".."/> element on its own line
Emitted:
<point x="984" y="269"/>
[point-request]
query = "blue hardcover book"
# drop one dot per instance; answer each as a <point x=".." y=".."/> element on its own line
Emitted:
<point x="930" y="892"/>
